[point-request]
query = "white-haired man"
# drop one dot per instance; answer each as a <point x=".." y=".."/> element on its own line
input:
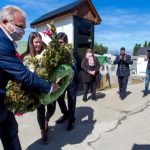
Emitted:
<point x="12" y="25"/>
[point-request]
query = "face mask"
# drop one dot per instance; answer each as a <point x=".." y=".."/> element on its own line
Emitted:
<point x="88" y="55"/>
<point x="17" y="33"/>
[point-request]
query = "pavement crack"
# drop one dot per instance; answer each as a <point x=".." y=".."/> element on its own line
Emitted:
<point x="127" y="114"/>
<point x="91" y="142"/>
<point x="121" y="111"/>
<point x="147" y="104"/>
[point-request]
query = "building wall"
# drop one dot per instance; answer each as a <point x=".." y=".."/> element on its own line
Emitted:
<point x="62" y="25"/>
<point x="141" y="66"/>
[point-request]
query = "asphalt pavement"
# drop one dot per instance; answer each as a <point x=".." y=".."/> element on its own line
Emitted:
<point x="106" y="124"/>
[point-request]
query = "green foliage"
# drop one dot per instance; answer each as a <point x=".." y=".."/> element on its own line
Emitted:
<point x="56" y="54"/>
<point x="66" y="54"/>
<point x="135" y="49"/>
<point x="21" y="98"/>
<point x="24" y="99"/>
<point x="145" y="44"/>
<point x="100" y="49"/>
<point x="137" y="46"/>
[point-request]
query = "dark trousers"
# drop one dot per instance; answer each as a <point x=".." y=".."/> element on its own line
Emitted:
<point x="9" y="132"/>
<point x="71" y="97"/>
<point x="108" y="79"/>
<point x="123" y="81"/>
<point x="43" y="115"/>
<point x="62" y="104"/>
<point x="147" y="80"/>
<point x="87" y="86"/>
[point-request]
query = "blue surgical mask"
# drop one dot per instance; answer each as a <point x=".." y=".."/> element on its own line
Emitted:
<point x="17" y="33"/>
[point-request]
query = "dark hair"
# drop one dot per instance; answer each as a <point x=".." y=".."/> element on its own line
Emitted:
<point x="30" y="48"/>
<point x="63" y="36"/>
<point x="148" y="50"/>
<point x="122" y="49"/>
<point x="89" y="50"/>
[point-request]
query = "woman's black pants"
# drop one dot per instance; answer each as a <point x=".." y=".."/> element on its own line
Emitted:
<point x="43" y="115"/>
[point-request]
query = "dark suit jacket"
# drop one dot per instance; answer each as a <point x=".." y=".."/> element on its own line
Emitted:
<point x="86" y="77"/>
<point x="12" y="68"/>
<point x="123" y="66"/>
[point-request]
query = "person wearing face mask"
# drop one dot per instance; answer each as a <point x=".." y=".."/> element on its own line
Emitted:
<point x="12" y="25"/>
<point x="90" y="69"/>
<point x="35" y="47"/>
<point x="69" y="112"/>
<point x="123" y="71"/>
<point x="16" y="32"/>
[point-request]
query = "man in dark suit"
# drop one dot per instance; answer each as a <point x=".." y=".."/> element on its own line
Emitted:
<point x="12" y="25"/>
<point x="123" y="71"/>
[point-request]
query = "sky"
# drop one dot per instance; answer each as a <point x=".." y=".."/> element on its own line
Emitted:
<point x="124" y="22"/>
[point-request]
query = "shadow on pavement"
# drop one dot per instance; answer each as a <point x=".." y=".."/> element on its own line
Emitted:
<point x="99" y="95"/>
<point x="126" y="95"/>
<point x="127" y="92"/>
<point x="59" y="136"/>
<point x="141" y="147"/>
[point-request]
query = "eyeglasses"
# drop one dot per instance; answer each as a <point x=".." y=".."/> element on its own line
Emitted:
<point x="19" y="26"/>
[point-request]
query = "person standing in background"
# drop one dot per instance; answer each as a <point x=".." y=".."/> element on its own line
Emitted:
<point x="147" y="77"/>
<point x="123" y="71"/>
<point x="107" y="73"/>
<point x="90" y="69"/>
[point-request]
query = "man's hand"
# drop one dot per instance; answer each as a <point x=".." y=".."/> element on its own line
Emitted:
<point x="120" y="57"/>
<point x="55" y="86"/>
<point x="91" y="72"/>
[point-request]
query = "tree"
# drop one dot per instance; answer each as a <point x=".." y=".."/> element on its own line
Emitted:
<point x="100" y="49"/>
<point x="135" y="49"/>
<point x="145" y="44"/>
<point x="137" y="46"/>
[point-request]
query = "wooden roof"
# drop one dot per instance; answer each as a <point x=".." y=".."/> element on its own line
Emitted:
<point x="80" y="8"/>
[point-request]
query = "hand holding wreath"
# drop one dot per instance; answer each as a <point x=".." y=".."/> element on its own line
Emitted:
<point x="49" y="65"/>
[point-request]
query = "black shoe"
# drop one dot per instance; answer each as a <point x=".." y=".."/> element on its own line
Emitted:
<point x="144" y="95"/>
<point x="94" y="99"/>
<point x="62" y="119"/>
<point x="84" y="99"/>
<point x="122" y="98"/>
<point x="71" y="119"/>
<point x="44" y="137"/>
<point x="123" y="95"/>
<point x="70" y="126"/>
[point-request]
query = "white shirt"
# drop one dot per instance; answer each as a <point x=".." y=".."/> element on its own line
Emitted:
<point x="15" y="44"/>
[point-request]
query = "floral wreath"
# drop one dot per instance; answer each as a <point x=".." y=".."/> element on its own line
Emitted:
<point x="53" y="63"/>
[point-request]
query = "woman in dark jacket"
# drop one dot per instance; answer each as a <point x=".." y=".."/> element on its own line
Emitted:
<point x="68" y="112"/>
<point x="90" y="67"/>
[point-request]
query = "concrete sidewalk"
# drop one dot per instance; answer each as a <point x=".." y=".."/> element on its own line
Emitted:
<point x="106" y="124"/>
